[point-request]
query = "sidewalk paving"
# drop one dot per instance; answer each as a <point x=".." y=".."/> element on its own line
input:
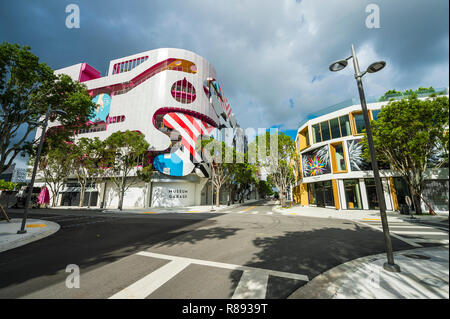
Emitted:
<point x="424" y="275"/>
<point x="320" y="212"/>
<point x="36" y="229"/>
<point x="186" y="209"/>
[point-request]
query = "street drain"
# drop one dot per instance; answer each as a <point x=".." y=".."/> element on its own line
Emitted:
<point x="435" y="282"/>
<point x="416" y="256"/>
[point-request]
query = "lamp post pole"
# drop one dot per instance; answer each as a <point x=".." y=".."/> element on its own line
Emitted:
<point x="390" y="265"/>
<point x="33" y="176"/>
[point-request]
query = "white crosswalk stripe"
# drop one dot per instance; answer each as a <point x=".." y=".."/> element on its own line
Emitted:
<point x="414" y="233"/>
<point x="252" y="284"/>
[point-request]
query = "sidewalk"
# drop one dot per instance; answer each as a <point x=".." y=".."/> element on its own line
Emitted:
<point x="320" y="212"/>
<point x="187" y="209"/>
<point x="36" y="229"/>
<point x="424" y="275"/>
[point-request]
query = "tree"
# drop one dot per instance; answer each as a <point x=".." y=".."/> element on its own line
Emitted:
<point x="55" y="167"/>
<point x="264" y="189"/>
<point x="124" y="156"/>
<point x="27" y="89"/>
<point x="221" y="170"/>
<point x="244" y="177"/>
<point x="412" y="135"/>
<point x="278" y="164"/>
<point x="87" y="162"/>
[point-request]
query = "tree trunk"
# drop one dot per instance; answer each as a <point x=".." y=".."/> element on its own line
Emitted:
<point x="82" y="193"/>
<point x="217" y="196"/>
<point x="416" y="200"/>
<point x="282" y="199"/>
<point x="120" y="200"/>
<point x="54" y="197"/>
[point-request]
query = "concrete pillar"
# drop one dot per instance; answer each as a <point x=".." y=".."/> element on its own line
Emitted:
<point x="362" y="188"/>
<point x="341" y="188"/>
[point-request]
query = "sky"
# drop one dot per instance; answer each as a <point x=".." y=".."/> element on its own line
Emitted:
<point x="271" y="57"/>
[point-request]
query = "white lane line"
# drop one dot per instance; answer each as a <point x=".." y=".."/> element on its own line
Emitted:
<point x="410" y="226"/>
<point x="419" y="233"/>
<point x="254" y="213"/>
<point x="253" y="285"/>
<point x="270" y="213"/>
<point x="408" y="241"/>
<point x="147" y="285"/>
<point x="226" y="266"/>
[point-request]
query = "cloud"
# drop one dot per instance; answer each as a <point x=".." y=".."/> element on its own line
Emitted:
<point x="265" y="52"/>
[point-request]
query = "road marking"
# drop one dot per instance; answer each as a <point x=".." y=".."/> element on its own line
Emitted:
<point x="409" y="226"/>
<point x="419" y="233"/>
<point x="371" y="219"/>
<point x="224" y="265"/>
<point x="36" y="225"/>
<point x="147" y="285"/>
<point x="246" y="210"/>
<point x="254" y="213"/>
<point x="149" y="213"/>
<point x="292" y="213"/>
<point x="194" y="211"/>
<point x="408" y="241"/>
<point x="253" y="285"/>
<point x="270" y="213"/>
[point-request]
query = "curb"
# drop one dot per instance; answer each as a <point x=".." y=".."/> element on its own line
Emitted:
<point x="141" y="211"/>
<point x="28" y="238"/>
<point x="438" y="218"/>
<point x="325" y="285"/>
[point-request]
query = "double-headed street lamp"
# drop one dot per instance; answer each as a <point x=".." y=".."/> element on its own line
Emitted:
<point x="374" y="67"/>
<point x="36" y="163"/>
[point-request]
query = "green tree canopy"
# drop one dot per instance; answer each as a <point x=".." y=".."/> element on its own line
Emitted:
<point x="126" y="163"/>
<point x="412" y="135"/>
<point x="27" y="89"/>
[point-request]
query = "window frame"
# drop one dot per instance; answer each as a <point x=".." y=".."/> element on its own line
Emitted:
<point x="303" y="139"/>
<point x="334" y="159"/>
<point x="353" y="123"/>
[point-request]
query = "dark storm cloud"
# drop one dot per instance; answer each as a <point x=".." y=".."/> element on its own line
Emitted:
<point x="274" y="54"/>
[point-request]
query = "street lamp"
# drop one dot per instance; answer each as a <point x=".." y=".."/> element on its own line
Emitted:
<point x="36" y="163"/>
<point x="374" y="67"/>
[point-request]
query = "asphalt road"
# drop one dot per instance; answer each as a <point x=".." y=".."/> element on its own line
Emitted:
<point x="245" y="252"/>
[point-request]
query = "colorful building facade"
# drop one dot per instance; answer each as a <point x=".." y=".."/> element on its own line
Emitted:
<point x="173" y="97"/>
<point x="333" y="173"/>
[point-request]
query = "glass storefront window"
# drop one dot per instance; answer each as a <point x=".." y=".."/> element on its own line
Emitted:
<point x="321" y="194"/>
<point x="359" y="123"/>
<point x="312" y="194"/>
<point x="371" y="191"/>
<point x="335" y="131"/>
<point x="352" y="194"/>
<point x="316" y="133"/>
<point x="325" y="131"/>
<point x="328" y="193"/>
<point x="345" y="125"/>
<point x="402" y="190"/>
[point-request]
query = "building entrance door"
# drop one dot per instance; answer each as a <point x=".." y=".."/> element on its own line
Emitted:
<point x="371" y="190"/>
<point x="352" y="194"/>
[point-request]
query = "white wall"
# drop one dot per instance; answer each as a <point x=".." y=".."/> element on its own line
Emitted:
<point x="173" y="194"/>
